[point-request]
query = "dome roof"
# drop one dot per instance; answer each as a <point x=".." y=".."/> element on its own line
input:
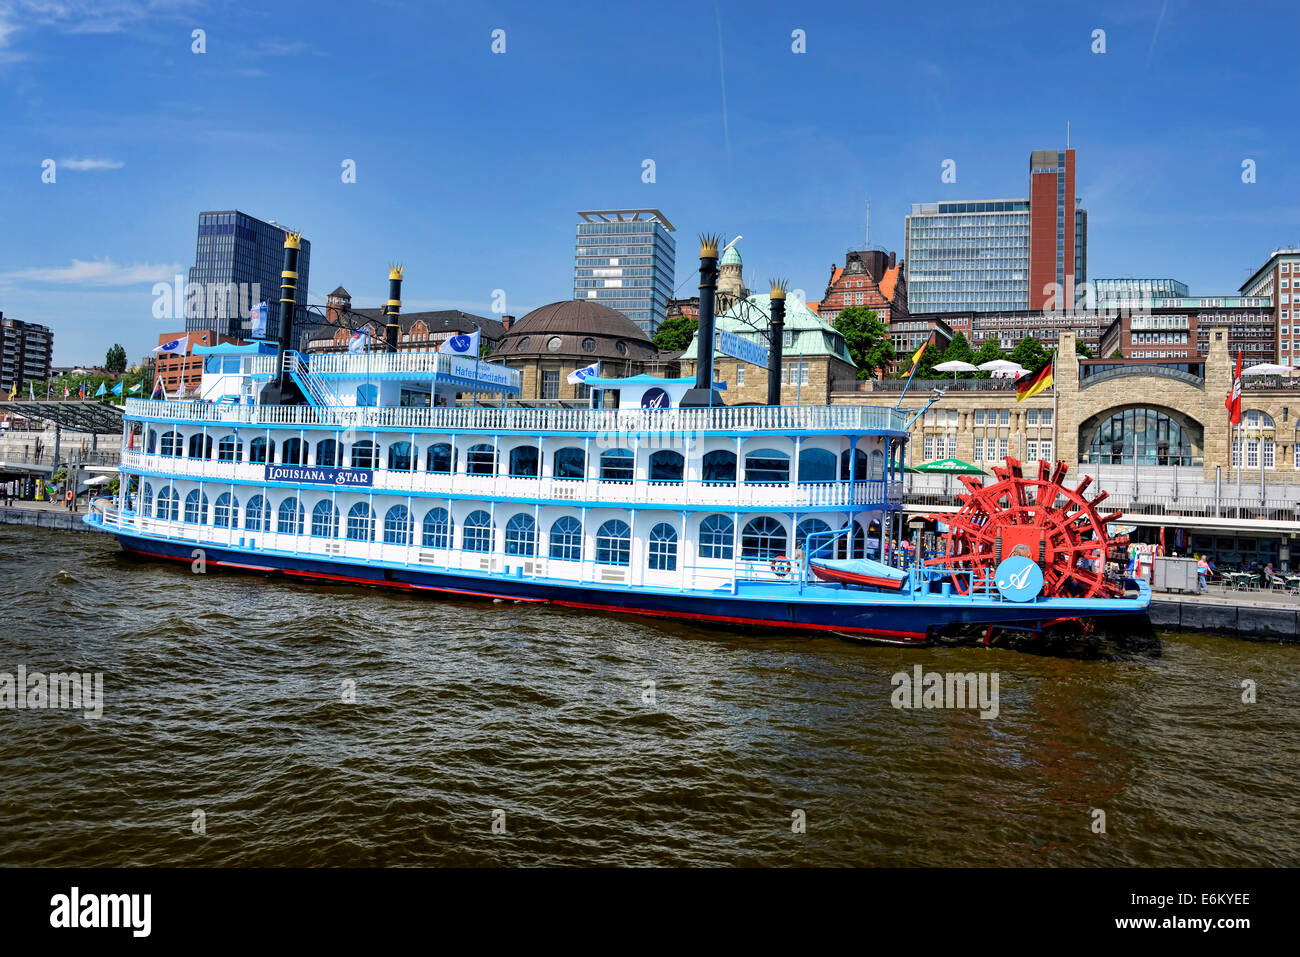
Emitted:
<point x="576" y="327"/>
<point x="731" y="257"/>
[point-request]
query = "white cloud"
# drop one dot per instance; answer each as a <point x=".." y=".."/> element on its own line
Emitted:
<point x="98" y="272"/>
<point x="89" y="164"/>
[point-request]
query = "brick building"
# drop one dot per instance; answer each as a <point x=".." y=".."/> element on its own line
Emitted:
<point x="869" y="277"/>
<point x="182" y="371"/>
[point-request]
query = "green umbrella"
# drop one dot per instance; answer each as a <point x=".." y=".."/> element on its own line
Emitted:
<point x="946" y="467"/>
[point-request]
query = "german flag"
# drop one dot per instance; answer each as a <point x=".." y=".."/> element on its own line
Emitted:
<point x="1030" y="385"/>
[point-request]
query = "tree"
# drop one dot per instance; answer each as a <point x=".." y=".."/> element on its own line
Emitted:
<point x="1117" y="354"/>
<point x="958" y="350"/>
<point x="989" y="351"/>
<point x="867" y="340"/>
<point x="1029" y="354"/>
<point x="675" y="334"/>
<point x="115" y="359"/>
<point x="1081" y="349"/>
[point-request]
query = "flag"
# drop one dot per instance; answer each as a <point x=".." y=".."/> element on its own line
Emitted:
<point x="580" y="376"/>
<point x="117" y="389"/>
<point x="81" y="392"/>
<point x="135" y="389"/>
<point x="358" y="341"/>
<point x="13" y="393"/>
<point x="1029" y="386"/>
<point x="31" y="391"/>
<point x="916" y="357"/>
<point x="1233" y="402"/>
<point x="173" y="346"/>
<point x="461" y="344"/>
<point x="158" y="388"/>
<point x="66" y="392"/>
<point x="102" y="391"/>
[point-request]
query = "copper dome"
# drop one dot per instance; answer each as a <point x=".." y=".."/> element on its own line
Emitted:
<point x="577" y="328"/>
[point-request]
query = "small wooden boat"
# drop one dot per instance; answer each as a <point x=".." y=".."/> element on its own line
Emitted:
<point x="858" y="571"/>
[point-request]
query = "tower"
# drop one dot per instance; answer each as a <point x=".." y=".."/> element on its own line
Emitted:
<point x="731" y="280"/>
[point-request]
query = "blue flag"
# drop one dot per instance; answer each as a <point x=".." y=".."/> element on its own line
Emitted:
<point x="580" y="376"/>
<point x="117" y="389"/>
<point x="102" y="391"/>
<point x="461" y="344"/>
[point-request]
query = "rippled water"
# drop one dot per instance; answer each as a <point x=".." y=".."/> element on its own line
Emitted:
<point x="223" y="694"/>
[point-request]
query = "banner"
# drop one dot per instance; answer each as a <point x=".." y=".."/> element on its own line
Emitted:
<point x="318" y="475"/>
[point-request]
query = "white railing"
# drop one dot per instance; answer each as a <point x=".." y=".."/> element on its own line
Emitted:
<point x="548" y="489"/>
<point x="421" y="364"/>
<point x="834" y="419"/>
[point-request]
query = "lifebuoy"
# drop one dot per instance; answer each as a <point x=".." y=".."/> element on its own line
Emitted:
<point x="781" y="565"/>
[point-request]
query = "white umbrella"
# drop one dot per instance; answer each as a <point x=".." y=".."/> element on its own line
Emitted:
<point x="98" y="480"/>
<point x="956" y="365"/>
<point x="997" y="365"/>
<point x="1267" y="368"/>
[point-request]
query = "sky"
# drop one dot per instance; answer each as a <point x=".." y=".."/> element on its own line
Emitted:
<point x="471" y="164"/>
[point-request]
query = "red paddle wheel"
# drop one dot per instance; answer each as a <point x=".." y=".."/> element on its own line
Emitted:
<point x="1038" y="517"/>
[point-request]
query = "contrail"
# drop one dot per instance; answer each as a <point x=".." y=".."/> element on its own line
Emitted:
<point x="722" y="76"/>
<point x="1160" y="20"/>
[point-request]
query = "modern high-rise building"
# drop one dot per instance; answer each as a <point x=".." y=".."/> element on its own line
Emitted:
<point x="1002" y="254"/>
<point x="1279" y="279"/>
<point x="236" y="265"/>
<point x="624" y="259"/>
<point x="1116" y="291"/>
<point x="26" y="349"/>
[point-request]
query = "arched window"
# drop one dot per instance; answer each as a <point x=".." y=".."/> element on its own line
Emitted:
<point x="481" y="460"/>
<point x="478" y="532"/>
<point x="328" y="453"/>
<point x="260" y="450"/>
<point x="523" y="461"/>
<point x="570" y="463"/>
<point x="367" y="395"/>
<point x="617" y="465"/>
<point x="364" y="454"/>
<point x="436" y="529"/>
<point x="225" y="512"/>
<point x="614" y="543"/>
<point x="720" y="467"/>
<point x="859" y="459"/>
<point x="291" y="515"/>
<point x="438" y="458"/>
<point x="397" y="526"/>
<point x="1149" y="434"/>
<point x="146" y="499"/>
<point x="767" y="467"/>
<point x="257" y="515"/>
<point x="229" y="449"/>
<point x="292" y="452"/>
<point x="816" y="465"/>
<point x="663" y="548"/>
<point x="521" y="535"/>
<point x="566" y="539"/>
<point x="877" y="471"/>
<point x="361" y="523"/>
<point x="196" y="508"/>
<point x="200" y="446"/>
<point x="851" y="544"/>
<point x="169" y="508"/>
<point x="763" y="539"/>
<point x="717" y="536"/>
<point x="666" y="466"/>
<point x="153" y="441"/>
<point x="822" y="542"/>
<point x="325" y="520"/>
<point x="171" y="445"/>
<point x="399" y="457"/>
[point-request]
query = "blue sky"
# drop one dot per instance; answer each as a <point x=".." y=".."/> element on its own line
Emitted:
<point x="471" y="165"/>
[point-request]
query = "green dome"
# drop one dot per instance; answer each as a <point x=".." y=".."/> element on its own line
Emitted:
<point x="731" y="257"/>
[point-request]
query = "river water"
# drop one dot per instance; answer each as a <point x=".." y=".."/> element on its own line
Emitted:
<point x="510" y="734"/>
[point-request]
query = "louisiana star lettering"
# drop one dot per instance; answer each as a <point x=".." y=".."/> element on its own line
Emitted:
<point x="320" y="475"/>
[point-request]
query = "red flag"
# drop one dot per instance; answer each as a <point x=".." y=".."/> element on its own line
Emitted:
<point x="1233" y="402"/>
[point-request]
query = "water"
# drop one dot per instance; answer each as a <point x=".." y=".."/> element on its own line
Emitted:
<point x="223" y="694"/>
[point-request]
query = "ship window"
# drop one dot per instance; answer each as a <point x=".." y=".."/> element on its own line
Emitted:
<point x="763" y="539"/>
<point x="171" y="444"/>
<point x="822" y="540"/>
<point x="720" y="467"/>
<point x="196" y="508"/>
<point x="616" y="465"/>
<point x="614" y="543"/>
<point x="816" y="465"/>
<point x="481" y="460"/>
<point x="399" y="456"/>
<point x="290" y="522"/>
<point x="367" y="395"/>
<point x="717" y="534"/>
<point x="229" y="449"/>
<point x="438" y="458"/>
<point x="200" y="446"/>
<point x="878" y="464"/>
<point x="397" y="526"/>
<point x="663" y="548"/>
<point x="257" y="516"/>
<point x="478" y="532"/>
<point x="328" y="453"/>
<point x="859" y="465"/>
<point x="325" y="520"/>
<point x="363" y="454"/>
<point x="570" y="463"/>
<point x="523" y="461"/>
<point x="168" y="504"/>
<point x="666" y="466"/>
<point x="291" y="452"/>
<point x="767" y="466"/>
<point x="153" y="441"/>
<point x="361" y="523"/>
<point x="146" y="499"/>
<point x="852" y="545"/>
<point x="226" y="510"/>
<point x="521" y="535"/>
<point x="260" y="450"/>
<point x="437" y="528"/>
<point x="566" y="539"/>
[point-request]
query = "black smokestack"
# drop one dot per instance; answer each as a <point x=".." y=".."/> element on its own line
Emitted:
<point x="394" y="308"/>
<point x="288" y="299"/>
<point x="777" y="344"/>
<point x="703" y="394"/>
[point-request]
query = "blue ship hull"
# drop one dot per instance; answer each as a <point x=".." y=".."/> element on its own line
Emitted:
<point x="904" y="618"/>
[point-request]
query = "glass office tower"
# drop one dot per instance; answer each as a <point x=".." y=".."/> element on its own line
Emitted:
<point x="968" y="256"/>
<point x="625" y="259"/>
<point x="237" y="264"/>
